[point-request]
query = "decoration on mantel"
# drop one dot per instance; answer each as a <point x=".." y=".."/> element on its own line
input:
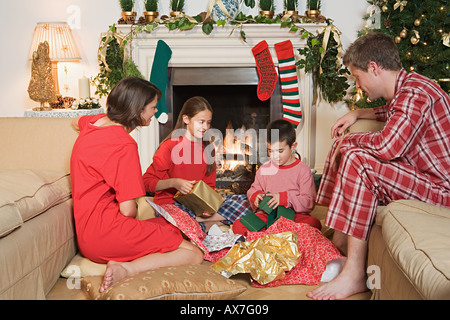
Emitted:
<point x="128" y="15"/>
<point x="322" y="54"/>
<point x="177" y="7"/>
<point x="224" y="9"/>
<point x="87" y="103"/>
<point x="313" y="7"/>
<point x="151" y="10"/>
<point x="41" y="88"/>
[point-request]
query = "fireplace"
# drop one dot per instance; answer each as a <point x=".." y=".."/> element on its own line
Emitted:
<point x="236" y="110"/>
<point x="230" y="91"/>
<point x="222" y="51"/>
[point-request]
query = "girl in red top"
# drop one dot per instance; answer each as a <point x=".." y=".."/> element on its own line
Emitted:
<point x="179" y="161"/>
<point x="183" y="159"/>
<point x="107" y="178"/>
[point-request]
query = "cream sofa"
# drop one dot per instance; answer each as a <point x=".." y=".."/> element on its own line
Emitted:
<point x="36" y="221"/>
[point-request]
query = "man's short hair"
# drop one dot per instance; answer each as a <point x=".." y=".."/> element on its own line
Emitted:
<point x="373" y="46"/>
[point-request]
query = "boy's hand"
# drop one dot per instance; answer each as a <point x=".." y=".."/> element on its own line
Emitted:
<point x="258" y="199"/>
<point x="275" y="201"/>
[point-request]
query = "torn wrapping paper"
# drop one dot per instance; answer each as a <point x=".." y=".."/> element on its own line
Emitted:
<point x="266" y="258"/>
<point x="189" y="227"/>
<point x="217" y="240"/>
<point x="315" y="249"/>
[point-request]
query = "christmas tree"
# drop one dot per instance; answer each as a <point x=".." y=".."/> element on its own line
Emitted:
<point x="421" y="31"/>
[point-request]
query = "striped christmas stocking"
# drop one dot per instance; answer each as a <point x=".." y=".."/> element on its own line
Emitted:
<point x="292" y="110"/>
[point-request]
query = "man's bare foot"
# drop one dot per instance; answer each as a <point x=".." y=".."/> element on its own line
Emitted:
<point x="115" y="272"/>
<point x="344" y="285"/>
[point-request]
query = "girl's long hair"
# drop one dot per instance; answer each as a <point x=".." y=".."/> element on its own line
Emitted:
<point x="191" y="108"/>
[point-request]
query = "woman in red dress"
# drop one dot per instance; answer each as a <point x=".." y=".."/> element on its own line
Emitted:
<point x="107" y="178"/>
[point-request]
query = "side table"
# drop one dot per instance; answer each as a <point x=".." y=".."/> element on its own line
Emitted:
<point x="62" y="113"/>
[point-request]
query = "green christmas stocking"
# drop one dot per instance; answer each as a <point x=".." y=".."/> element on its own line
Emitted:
<point x="292" y="110"/>
<point x="159" y="77"/>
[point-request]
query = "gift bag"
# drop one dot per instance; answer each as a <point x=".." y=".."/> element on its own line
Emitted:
<point x="202" y="198"/>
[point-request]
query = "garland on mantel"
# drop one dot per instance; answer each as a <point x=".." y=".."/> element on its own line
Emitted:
<point x="322" y="54"/>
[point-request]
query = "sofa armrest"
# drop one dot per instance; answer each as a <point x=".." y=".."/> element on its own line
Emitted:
<point x="364" y="125"/>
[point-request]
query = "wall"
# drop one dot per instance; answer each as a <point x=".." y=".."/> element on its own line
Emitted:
<point x="91" y="18"/>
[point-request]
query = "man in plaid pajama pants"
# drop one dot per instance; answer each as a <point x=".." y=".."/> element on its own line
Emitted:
<point x="408" y="159"/>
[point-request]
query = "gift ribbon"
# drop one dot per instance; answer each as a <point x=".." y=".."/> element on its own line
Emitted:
<point x="401" y="4"/>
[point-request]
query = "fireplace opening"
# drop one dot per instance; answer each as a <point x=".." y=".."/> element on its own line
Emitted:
<point x="232" y="93"/>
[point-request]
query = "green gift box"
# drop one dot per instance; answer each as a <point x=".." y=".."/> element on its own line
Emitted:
<point x="280" y="212"/>
<point x="275" y="214"/>
<point x="264" y="206"/>
<point x="252" y="222"/>
<point x="271" y="218"/>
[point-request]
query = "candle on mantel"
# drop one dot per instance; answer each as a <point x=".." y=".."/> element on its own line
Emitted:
<point x="84" y="88"/>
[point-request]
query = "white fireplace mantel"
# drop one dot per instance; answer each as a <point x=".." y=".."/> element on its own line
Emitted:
<point x="222" y="48"/>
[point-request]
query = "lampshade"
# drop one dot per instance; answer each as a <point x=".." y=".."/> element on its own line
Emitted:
<point x="60" y="39"/>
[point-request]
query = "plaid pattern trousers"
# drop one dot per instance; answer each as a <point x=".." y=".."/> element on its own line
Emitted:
<point x="363" y="182"/>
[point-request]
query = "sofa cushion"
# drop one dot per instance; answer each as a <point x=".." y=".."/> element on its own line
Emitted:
<point x="10" y="218"/>
<point x="416" y="235"/>
<point x="28" y="193"/>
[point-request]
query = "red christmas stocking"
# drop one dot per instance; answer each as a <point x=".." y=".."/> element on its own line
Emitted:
<point x="266" y="70"/>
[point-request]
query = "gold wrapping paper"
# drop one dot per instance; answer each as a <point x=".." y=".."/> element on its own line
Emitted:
<point x="266" y="259"/>
<point x="202" y="198"/>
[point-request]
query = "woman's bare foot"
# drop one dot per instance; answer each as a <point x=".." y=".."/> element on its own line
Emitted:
<point x="346" y="284"/>
<point x="115" y="272"/>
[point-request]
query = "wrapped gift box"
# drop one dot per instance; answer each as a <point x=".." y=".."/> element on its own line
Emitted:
<point x="252" y="222"/>
<point x="280" y="212"/>
<point x="264" y="206"/>
<point x="201" y="199"/>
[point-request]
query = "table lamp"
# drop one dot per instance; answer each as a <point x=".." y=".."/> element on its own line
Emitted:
<point x="61" y="42"/>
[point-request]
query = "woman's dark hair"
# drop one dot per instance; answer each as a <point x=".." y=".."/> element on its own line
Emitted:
<point x="128" y="99"/>
<point x="286" y="131"/>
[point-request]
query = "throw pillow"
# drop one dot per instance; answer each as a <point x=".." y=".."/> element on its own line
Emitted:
<point x="188" y="282"/>
<point x="80" y="267"/>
